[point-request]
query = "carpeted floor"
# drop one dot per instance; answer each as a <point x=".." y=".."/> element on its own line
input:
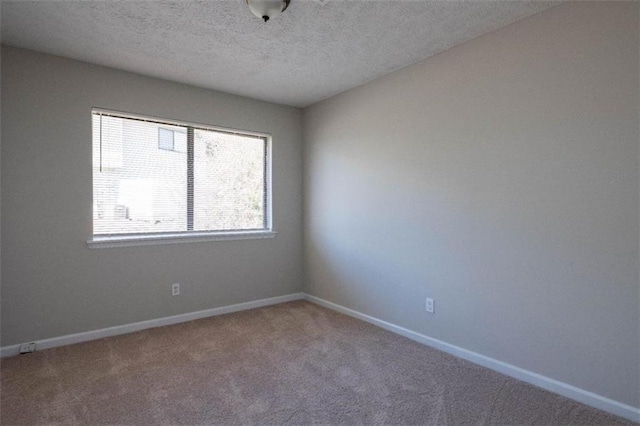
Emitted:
<point x="294" y="363"/>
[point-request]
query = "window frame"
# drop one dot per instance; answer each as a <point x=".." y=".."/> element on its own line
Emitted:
<point x="109" y="241"/>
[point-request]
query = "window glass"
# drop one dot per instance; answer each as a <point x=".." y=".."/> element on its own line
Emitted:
<point x="151" y="177"/>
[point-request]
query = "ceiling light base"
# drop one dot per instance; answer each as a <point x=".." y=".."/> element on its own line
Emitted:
<point x="267" y="9"/>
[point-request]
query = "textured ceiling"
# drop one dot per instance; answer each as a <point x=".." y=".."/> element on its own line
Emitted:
<point x="315" y="49"/>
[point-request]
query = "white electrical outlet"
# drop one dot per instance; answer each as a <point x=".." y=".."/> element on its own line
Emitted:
<point x="27" y="348"/>
<point x="430" y="305"/>
<point x="175" y="289"/>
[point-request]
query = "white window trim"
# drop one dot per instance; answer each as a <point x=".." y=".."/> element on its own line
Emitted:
<point x="106" y="241"/>
<point x="178" y="238"/>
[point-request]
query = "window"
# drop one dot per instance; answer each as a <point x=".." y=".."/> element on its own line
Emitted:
<point x="154" y="179"/>
<point x="172" y="140"/>
<point x="165" y="139"/>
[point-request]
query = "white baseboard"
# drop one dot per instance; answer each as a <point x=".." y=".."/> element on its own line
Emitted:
<point x="564" y="389"/>
<point x="70" y="339"/>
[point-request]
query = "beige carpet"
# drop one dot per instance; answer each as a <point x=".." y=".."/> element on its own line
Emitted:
<point x="294" y="363"/>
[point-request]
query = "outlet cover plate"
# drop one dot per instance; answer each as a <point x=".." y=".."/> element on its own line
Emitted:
<point x="27" y="348"/>
<point x="430" y="305"/>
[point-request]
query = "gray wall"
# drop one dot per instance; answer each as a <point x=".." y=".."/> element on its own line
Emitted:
<point x="500" y="178"/>
<point x="52" y="284"/>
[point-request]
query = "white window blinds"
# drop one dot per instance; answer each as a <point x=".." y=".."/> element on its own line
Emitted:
<point x="154" y="177"/>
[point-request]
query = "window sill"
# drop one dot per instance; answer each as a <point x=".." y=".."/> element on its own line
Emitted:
<point x="148" y="240"/>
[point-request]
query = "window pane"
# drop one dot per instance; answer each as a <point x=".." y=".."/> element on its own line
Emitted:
<point x="229" y="181"/>
<point x="137" y="187"/>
